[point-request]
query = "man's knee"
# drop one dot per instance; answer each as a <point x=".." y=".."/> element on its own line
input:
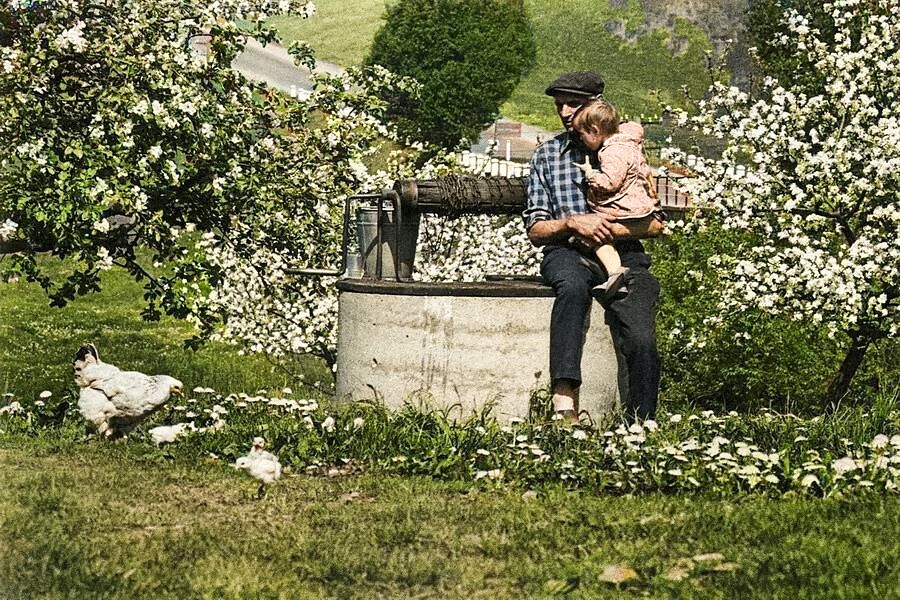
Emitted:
<point x="573" y="288"/>
<point x="643" y="283"/>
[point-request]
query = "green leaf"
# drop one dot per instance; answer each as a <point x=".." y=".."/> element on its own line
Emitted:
<point x="74" y="149"/>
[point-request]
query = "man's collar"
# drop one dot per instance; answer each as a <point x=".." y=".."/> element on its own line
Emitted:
<point x="570" y="141"/>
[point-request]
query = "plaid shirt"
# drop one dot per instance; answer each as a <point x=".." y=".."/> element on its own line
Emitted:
<point x="556" y="188"/>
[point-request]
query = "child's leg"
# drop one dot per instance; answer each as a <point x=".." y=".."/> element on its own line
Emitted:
<point x="609" y="258"/>
<point x="615" y="273"/>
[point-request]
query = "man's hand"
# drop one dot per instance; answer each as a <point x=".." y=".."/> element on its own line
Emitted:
<point x="586" y="167"/>
<point x="593" y="228"/>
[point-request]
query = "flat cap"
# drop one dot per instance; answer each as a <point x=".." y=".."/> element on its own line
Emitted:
<point x="586" y="83"/>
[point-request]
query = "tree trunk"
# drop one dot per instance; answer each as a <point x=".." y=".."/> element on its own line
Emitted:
<point x="838" y="386"/>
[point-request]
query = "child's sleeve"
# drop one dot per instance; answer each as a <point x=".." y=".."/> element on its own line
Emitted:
<point x="613" y="168"/>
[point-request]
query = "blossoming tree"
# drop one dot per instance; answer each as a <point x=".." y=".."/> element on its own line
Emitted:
<point x="129" y="141"/>
<point x="818" y="197"/>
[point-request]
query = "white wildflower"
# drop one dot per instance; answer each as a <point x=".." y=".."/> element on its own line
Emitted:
<point x="843" y="465"/>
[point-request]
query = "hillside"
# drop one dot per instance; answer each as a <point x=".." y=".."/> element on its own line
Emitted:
<point x="721" y="20"/>
<point x="646" y="49"/>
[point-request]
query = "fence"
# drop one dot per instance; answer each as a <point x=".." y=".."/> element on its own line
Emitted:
<point x="482" y="164"/>
<point x="671" y="198"/>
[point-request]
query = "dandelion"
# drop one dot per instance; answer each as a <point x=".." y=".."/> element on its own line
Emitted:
<point x="13" y="408"/>
<point x="808" y="480"/>
<point x="880" y="441"/>
<point x="844" y="465"/>
<point x="491" y="474"/>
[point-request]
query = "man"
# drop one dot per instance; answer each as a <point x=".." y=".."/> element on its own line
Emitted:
<point x="556" y="212"/>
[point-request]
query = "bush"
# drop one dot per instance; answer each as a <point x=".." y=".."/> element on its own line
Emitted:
<point x="468" y="56"/>
<point x="744" y="361"/>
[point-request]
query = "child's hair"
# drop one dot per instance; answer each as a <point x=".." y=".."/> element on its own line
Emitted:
<point x="597" y="115"/>
<point x="600" y="115"/>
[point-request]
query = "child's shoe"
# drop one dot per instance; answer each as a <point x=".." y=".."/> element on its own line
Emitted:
<point x="612" y="288"/>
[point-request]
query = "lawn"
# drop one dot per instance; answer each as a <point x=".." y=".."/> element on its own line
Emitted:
<point x="126" y="520"/>
<point x="340" y="31"/>
<point x="37" y="344"/>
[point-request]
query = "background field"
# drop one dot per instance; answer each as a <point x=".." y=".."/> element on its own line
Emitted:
<point x="572" y="35"/>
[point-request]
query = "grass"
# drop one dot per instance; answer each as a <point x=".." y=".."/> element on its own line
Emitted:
<point x="125" y="520"/>
<point x="640" y="77"/>
<point x="37" y="344"/>
<point x="572" y="35"/>
<point x="340" y="31"/>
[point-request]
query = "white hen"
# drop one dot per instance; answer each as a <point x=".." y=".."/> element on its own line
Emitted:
<point x="261" y="464"/>
<point x="115" y="401"/>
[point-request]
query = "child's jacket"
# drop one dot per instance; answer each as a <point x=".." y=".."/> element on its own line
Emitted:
<point x="622" y="186"/>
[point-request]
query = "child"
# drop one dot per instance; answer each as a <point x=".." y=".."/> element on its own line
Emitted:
<point x="622" y="187"/>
